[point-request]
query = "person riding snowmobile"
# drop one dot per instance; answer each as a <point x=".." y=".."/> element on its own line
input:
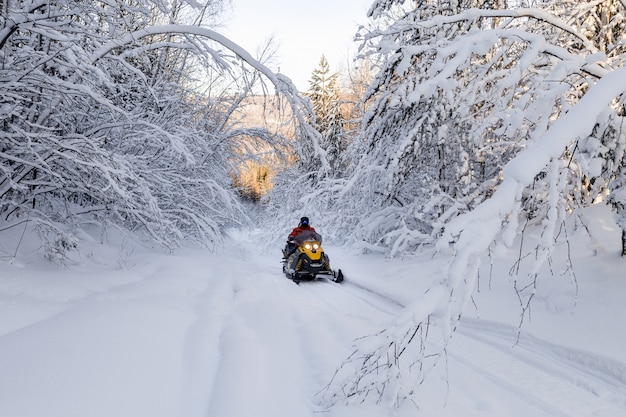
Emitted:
<point x="303" y="257"/>
<point x="300" y="233"/>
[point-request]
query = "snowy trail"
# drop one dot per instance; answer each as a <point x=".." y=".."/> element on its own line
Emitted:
<point x="227" y="335"/>
<point x="542" y="378"/>
<point x="280" y="341"/>
<point x="260" y="358"/>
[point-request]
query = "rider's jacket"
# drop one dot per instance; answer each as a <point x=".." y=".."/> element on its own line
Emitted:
<point x="300" y="234"/>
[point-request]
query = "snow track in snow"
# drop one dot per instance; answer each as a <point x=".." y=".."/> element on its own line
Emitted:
<point x="357" y="293"/>
<point x="227" y="335"/>
<point x="558" y="381"/>
<point x="585" y="384"/>
<point x="299" y="334"/>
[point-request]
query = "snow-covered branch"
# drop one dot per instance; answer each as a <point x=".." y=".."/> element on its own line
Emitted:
<point x="521" y="171"/>
<point x="474" y="14"/>
<point x="105" y="126"/>
<point x="284" y="86"/>
<point x="473" y="125"/>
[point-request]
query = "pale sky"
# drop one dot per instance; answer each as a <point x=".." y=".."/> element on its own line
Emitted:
<point x="302" y="31"/>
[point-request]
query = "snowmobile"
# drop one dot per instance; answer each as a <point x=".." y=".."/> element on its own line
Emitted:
<point x="308" y="262"/>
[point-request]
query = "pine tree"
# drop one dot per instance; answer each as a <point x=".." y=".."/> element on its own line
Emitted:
<point x="324" y="96"/>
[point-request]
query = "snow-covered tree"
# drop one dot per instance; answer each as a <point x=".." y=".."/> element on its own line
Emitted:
<point x="609" y="162"/>
<point x="324" y="95"/>
<point x="482" y="118"/>
<point x="300" y="187"/>
<point x="102" y="123"/>
<point x="456" y="97"/>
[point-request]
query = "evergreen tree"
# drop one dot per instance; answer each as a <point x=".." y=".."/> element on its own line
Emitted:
<point x="324" y="95"/>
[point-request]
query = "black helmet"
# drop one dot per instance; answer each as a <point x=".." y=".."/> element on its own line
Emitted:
<point x="304" y="221"/>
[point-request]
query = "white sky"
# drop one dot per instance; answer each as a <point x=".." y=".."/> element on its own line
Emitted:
<point x="302" y="30"/>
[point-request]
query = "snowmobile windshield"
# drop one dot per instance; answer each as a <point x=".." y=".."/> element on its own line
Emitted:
<point x="307" y="235"/>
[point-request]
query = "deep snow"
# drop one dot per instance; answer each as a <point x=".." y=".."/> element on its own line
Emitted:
<point x="127" y="332"/>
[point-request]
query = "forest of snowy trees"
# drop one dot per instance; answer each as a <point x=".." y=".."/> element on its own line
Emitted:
<point x="480" y="118"/>
<point x="483" y="119"/>
<point x="459" y="91"/>
<point x="128" y="115"/>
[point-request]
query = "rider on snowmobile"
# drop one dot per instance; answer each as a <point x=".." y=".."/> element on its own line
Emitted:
<point x="303" y="231"/>
<point x="303" y="257"/>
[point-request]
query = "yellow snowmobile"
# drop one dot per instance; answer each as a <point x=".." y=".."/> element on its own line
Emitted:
<point x="308" y="262"/>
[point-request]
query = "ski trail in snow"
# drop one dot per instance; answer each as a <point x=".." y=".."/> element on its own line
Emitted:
<point x="337" y="297"/>
<point x="259" y="370"/>
<point x="383" y="302"/>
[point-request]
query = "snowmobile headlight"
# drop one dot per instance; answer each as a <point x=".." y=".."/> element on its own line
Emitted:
<point x="316" y="246"/>
<point x="307" y="246"/>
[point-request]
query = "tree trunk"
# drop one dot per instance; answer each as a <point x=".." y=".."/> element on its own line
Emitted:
<point x="623" y="242"/>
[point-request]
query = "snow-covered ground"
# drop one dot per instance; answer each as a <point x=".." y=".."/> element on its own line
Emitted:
<point x="127" y="332"/>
